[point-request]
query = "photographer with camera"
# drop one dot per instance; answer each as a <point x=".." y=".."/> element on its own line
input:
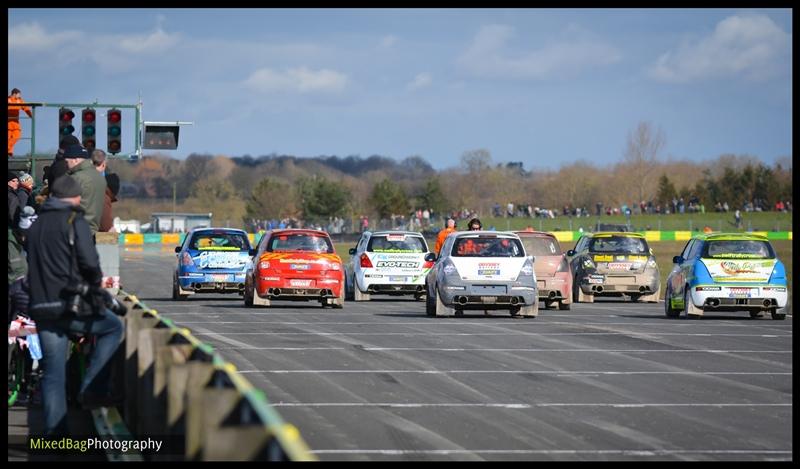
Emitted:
<point x="65" y="297"/>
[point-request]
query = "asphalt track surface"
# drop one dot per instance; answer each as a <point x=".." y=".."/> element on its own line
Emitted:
<point x="606" y="381"/>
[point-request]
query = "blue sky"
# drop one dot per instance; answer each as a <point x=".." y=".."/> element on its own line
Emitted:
<point x="546" y="87"/>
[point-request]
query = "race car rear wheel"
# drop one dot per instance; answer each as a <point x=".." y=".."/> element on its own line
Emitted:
<point x="441" y="309"/>
<point x="777" y="316"/>
<point x="689" y="309"/>
<point x="563" y="306"/>
<point x="430" y="305"/>
<point x="530" y="311"/>
<point x="668" y="310"/>
<point x="358" y="295"/>
<point x="338" y="302"/>
<point x="578" y="296"/>
<point x="176" y="292"/>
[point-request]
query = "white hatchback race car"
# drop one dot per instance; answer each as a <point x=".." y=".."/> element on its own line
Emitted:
<point x="482" y="270"/>
<point x="389" y="263"/>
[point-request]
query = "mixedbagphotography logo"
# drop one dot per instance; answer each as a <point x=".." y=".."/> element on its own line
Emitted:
<point x="93" y="444"/>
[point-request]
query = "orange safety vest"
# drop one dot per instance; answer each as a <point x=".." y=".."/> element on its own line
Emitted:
<point x="13" y="111"/>
<point x="441" y="237"/>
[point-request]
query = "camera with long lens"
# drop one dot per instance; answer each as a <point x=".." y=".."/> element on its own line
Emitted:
<point x="112" y="304"/>
<point x="74" y="293"/>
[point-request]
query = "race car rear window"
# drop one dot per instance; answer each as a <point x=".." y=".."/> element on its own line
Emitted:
<point x="541" y="246"/>
<point x="219" y="242"/>
<point x="620" y="244"/>
<point x="487" y="247"/>
<point x="300" y="242"/>
<point x="741" y="249"/>
<point x="396" y="243"/>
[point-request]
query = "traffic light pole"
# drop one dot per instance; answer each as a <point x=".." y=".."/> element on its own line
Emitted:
<point x="33" y="156"/>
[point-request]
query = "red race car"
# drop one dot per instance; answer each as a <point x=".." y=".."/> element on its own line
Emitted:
<point x="553" y="274"/>
<point x="295" y="265"/>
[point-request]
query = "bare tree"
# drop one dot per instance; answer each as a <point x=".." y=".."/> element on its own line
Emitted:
<point x="641" y="157"/>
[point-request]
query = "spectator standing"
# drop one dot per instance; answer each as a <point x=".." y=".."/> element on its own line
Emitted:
<point x="13" y="200"/>
<point x="93" y="185"/>
<point x="55" y="264"/>
<point x="451" y="227"/>
<point x="737" y="217"/>
<point x="25" y="190"/>
<point x="14" y="128"/>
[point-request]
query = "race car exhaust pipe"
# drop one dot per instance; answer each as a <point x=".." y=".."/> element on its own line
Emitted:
<point x="193" y="286"/>
<point x="240" y="286"/>
<point x="514" y="300"/>
<point x="419" y="288"/>
<point x="276" y="292"/>
<point x="713" y="302"/>
<point x="552" y="294"/>
<point x="599" y="289"/>
<point x="767" y="303"/>
<point x="642" y="289"/>
<point x="462" y="300"/>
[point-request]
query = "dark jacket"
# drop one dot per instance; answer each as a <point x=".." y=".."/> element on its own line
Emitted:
<point x="13" y="208"/>
<point x="50" y="264"/>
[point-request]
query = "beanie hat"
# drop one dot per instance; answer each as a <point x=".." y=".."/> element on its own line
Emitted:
<point x="65" y="187"/>
<point x="57" y="169"/>
<point x="68" y="141"/>
<point x="12" y="175"/>
<point x="75" y="151"/>
<point x="25" y="177"/>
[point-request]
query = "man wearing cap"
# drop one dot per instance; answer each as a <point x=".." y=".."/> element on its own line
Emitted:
<point x="55" y="266"/>
<point x="93" y="184"/>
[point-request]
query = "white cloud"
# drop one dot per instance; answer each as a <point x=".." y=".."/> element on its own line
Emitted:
<point x="32" y="37"/>
<point x="487" y="55"/>
<point x="301" y="80"/>
<point x="422" y="80"/>
<point x="157" y="40"/>
<point x="751" y="46"/>
<point x="388" y="41"/>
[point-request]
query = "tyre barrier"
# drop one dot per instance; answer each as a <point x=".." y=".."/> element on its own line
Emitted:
<point x="178" y="387"/>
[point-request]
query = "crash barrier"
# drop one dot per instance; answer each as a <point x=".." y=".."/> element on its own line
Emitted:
<point x="175" y="239"/>
<point x="178" y="387"/>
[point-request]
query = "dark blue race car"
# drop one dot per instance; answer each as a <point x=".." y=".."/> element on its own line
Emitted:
<point x="211" y="260"/>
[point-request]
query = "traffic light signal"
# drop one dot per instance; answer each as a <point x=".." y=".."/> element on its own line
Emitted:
<point x="65" y="127"/>
<point x="89" y="129"/>
<point x="114" y="131"/>
<point x="160" y="137"/>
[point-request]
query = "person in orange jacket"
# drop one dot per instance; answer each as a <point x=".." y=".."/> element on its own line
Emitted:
<point x="469" y="246"/>
<point x="14" y="129"/>
<point x="451" y="227"/>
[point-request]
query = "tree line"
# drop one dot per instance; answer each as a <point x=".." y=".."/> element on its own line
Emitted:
<point x="317" y="189"/>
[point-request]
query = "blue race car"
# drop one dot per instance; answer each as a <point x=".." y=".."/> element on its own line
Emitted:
<point x="727" y="272"/>
<point x="211" y="260"/>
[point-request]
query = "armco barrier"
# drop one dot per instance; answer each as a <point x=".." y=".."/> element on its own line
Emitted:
<point x="180" y="388"/>
<point x="175" y="239"/>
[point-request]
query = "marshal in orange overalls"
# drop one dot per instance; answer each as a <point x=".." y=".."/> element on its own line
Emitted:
<point x="14" y="128"/>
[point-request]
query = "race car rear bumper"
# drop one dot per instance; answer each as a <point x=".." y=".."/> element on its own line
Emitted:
<point x="738" y="298"/>
<point x="615" y="285"/>
<point x="484" y="297"/>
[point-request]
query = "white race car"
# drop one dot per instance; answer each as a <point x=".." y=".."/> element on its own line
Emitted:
<point x="482" y="270"/>
<point x="389" y="263"/>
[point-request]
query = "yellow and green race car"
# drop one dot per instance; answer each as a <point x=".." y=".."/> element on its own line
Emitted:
<point x="727" y="272"/>
<point x="613" y="263"/>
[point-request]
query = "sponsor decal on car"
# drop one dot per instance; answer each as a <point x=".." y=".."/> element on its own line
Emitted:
<point x="221" y="260"/>
<point x="619" y="265"/>
<point x="734" y="270"/>
<point x="398" y="264"/>
<point x="603" y="258"/>
<point x="488" y="268"/>
<point x="595" y="279"/>
<point x="741" y="292"/>
<point x="300" y="282"/>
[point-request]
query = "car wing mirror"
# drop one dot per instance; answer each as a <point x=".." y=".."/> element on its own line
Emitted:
<point x="430" y="257"/>
<point x="677" y="260"/>
<point x="177" y="249"/>
<point x="352" y="251"/>
<point x="571" y="252"/>
<point x="252" y="252"/>
<point x="532" y="258"/>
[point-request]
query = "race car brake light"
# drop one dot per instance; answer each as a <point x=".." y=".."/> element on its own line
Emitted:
<point x="563" y="266"/>
<point x="186" y="259"/>
<point x="335" y="266"/>
<point x="427" y="265"/>
<point x="365" y="262"/>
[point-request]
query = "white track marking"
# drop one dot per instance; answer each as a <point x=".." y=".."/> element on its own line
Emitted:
<point x="517" y="405"/>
